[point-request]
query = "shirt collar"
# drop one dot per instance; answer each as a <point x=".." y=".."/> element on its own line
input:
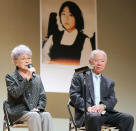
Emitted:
<point x="97" y="75"/>
<point x="18" y="75"/>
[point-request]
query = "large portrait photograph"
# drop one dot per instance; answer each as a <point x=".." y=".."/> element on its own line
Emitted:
<point x="68" y="33"/>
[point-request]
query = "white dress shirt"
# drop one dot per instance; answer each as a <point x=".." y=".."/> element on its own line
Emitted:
<point x="96" y="81"/>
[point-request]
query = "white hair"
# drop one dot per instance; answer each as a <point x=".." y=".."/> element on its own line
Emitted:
<point x="20" y="50"/>
<point x="95" y="52"/>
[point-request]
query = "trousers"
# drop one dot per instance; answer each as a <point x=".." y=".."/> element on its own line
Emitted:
<point x="38" y="121"/>
<point x="121" y="120"/>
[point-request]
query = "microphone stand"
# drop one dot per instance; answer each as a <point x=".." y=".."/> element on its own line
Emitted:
<point x="84" y="94"/>
<point x="84" y="70"/>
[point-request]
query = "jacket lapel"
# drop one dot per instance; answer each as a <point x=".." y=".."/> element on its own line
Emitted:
<point x="103" y="87"/>
<point x="89" y="82"/>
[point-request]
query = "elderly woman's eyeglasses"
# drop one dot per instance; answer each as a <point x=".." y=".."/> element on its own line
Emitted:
<point x="25" y="58"/>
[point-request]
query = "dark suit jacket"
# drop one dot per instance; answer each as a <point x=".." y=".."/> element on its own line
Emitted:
<point x="24" y="95"/>
<point x="107" y="94"/>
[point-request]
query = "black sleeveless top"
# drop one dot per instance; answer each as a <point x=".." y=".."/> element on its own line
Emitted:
<point x="58" y="51"/>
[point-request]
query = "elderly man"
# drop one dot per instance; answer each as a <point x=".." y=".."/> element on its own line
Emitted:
<point x="26" y="94"/>
<point x="100" y="98"/>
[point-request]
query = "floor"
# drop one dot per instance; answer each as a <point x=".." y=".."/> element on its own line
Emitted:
<point x="59" y="125"/>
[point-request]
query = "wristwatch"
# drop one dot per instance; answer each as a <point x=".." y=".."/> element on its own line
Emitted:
<point x="104" y="106"/>
<point x="104" y="111"/>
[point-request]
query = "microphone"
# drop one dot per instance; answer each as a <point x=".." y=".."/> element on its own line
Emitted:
<point x="30" y="66"/>
<point x="84" y="69"/>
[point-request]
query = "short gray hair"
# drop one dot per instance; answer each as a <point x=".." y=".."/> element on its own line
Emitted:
<point x="20" y="50"/>
<point x="95" y="52"/>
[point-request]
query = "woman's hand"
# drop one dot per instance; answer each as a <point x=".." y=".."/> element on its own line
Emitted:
<point x="30" y="72"/>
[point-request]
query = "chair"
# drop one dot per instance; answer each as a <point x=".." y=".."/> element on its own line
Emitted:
<point x="6" y="122"/>
<point x="72" y="124"/>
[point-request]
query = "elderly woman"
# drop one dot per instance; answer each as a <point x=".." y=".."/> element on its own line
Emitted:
<point x="26" y="94"/>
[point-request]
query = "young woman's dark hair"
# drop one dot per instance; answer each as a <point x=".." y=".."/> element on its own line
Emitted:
<point x="52" y="25"/>
<point x="76" y="12"/>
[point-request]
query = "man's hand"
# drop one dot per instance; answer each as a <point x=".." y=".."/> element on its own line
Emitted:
<point x="96" y="109"/>
<point x="92" y="109"/>
<point x="100" y="108"/>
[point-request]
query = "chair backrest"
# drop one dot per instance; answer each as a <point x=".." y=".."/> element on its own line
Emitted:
<point x="72" y="123"/>
<point x="69" y="105"/>
<point x="6" y="118"/>
<point x="6" y="123"/>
